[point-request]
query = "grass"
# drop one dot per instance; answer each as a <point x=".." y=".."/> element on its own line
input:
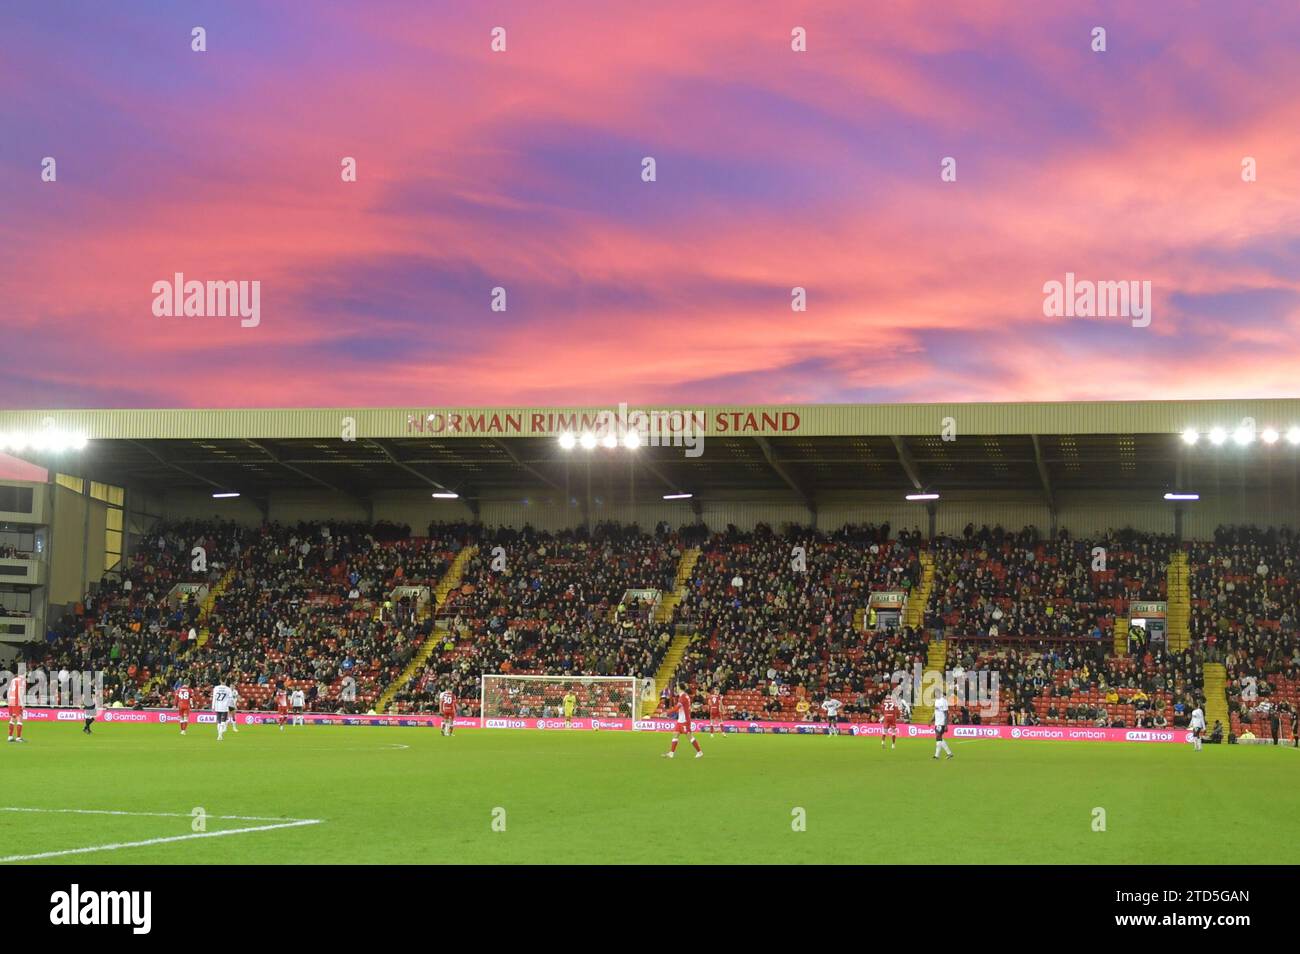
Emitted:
<point x="397" y="796"/>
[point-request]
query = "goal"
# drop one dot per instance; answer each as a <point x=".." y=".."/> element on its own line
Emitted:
<point x="542" y="697"/>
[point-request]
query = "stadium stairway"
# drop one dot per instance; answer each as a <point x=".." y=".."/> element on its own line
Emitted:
<point x="1178" y="596"/>
<point x="919" y="598"/>
<point x="936" y="661"/>
<point x="664" y="674"/>
<point x="450" y="580"/>
<point x="205" y="608"/>
<point x="664" y="614"/>
<point x="210" y="601"/>
<point x="1121" y="637"/>
<point x="1216" y="695"/>
<point x="670" y="601"/>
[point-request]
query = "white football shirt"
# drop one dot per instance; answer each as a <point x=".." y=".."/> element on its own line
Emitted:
<point x="940" y="710"/>
<point x="1198" y="719"/>
<point x="221" y="698"/>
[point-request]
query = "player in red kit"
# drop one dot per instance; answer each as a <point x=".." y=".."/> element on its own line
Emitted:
<point x="16" y="698"/>
<point x="447" y="706"/>
<point x="683" y="723"/>
<point x="281" y="707"/>
<point x="889" y="716"/>
<point x="183" y="706"/>
<point x="715" y="711"/>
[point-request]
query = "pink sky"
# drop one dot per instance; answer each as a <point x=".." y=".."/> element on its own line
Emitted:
<point x="522" y="170"/>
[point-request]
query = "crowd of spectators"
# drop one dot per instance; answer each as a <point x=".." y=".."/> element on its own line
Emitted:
<point x="1245" y="590"/>
<point x="774" y="614"/>
<point x="545" y="603"/>
<point x="1081" y="684"/>
<point x="1246" y="582"/>
<point x="305" y="606"/>
<point x="128" y="627"/>
<point x="1003" y="585"/>
<point x="776" y="617"/>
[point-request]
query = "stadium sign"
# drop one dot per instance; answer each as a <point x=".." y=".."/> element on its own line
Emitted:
<point x="1146" y="609"/>
<point x="655" y="725"/>
<point x="802" y="420"/>
<point x="1036" y="732"/>
<point x="650" y="423"/>
<point x="418" y="595"/>
<point x="862" y="729"/>
<point x="126" y="715"/>
<point x="1149" y="736"/>
<point x="192" y="593"/>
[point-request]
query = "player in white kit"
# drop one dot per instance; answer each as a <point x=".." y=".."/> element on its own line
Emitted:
<point x="233" y="717"/>
<point x="221" y="706"/>
<point x="1197" y="725"/>
<point x="831" y="706"/>
<point x="298" y="699"/>
<point x="940" y="724"/>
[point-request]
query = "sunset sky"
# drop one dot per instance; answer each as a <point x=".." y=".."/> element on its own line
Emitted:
<point x="522" y="169"/>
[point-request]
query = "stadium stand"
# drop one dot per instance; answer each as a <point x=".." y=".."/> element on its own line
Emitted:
<point x="551" y="604"/>
<point x="1245" y="600"/>
<point x="311" y="606"/>
<point x="306" y="607"/>
<point x="996" y="584"/>
<point x="769" y="636"/>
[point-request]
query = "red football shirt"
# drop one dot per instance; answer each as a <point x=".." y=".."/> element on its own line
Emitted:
<point x="684" y="707"/>
<point x="715" y="703"/>
<point x="183" y="696"/>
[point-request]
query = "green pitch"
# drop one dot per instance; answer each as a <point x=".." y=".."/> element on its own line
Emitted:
<point x="322" y="794"/>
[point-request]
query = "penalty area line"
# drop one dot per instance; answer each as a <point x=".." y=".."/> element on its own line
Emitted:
<point x="117" y="846"/>
<point x="109" y="811"/>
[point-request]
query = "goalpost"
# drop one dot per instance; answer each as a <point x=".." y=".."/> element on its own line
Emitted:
<point x="521" y="697"/>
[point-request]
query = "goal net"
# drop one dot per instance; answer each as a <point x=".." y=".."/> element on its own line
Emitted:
<point x="542" y="697"/>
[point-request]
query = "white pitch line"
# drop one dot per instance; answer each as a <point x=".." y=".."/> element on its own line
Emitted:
<point x="159" y="841"/>
<point x="104" y="811"/>
<point x="278" y="823"/>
